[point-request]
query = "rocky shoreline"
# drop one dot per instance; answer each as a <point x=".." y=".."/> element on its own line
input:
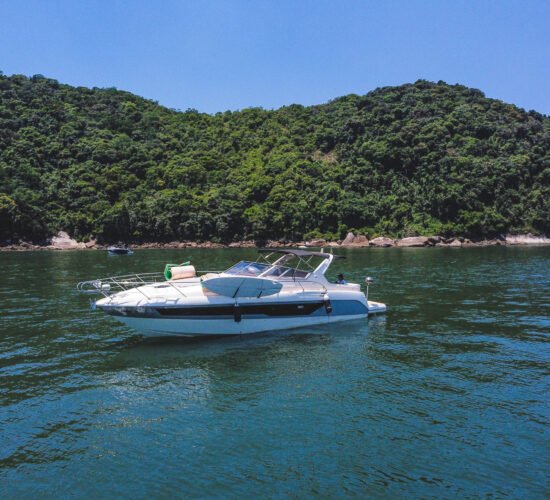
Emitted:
<point x="64" y="242"/>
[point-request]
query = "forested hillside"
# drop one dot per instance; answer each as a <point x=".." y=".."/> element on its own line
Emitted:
<point x="417" y="159"/>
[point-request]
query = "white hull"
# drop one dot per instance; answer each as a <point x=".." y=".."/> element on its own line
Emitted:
<point x="153" y="327"/>
<point x="174" y="327"/>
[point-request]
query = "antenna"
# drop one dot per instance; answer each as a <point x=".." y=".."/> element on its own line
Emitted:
<point x="368" y="282"/>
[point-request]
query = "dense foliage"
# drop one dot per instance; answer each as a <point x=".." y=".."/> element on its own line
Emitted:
<point x="422" y="158"/>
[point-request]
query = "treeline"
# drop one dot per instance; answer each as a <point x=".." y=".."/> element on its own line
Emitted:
<point x="418" y="159"/>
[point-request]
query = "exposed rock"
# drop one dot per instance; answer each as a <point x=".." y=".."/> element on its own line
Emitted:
<point x="64" y="242"/>
<point x="317" y="243"/>
<point x="526" y="239"/>
<point x="242" y="244"/>
<point x="348" y="240"/>
<point x="414" y="241"/>
<point x="455" y="243"/>
<point x="211" y="244"/>
<point x="355" y="241"/>
<point x="382" y="242"/>
<point x="452" y="238"/>
<point x="360" y="241"/>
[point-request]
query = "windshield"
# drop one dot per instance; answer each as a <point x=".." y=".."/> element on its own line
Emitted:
<point x="286" y="272"/>
<point x="247" y="268"/>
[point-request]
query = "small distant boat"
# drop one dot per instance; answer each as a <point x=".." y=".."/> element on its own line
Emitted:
<point x="120" y="250"/>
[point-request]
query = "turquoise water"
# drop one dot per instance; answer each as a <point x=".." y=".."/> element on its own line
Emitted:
<point x="447" y="395"/>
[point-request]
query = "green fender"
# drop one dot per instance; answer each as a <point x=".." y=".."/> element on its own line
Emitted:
<point x="168" y="267"/>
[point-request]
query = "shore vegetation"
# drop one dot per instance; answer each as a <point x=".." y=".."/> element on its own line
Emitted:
<point x="414" y="160"/>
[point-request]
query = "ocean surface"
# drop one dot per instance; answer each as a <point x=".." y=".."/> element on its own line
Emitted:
<point x="445" y="396"/>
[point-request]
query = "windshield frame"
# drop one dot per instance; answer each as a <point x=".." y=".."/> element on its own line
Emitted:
<point x="247" y="268"/>
<point x="275" y="269"/>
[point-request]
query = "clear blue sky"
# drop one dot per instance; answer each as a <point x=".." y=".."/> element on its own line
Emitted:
<point x="230" y="54"/>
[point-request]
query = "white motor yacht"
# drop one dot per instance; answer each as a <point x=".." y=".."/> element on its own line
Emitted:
<point x="283" y="289"/>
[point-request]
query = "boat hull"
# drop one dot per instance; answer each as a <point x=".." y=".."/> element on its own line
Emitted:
<point x="120" y="251"/>
<point x="196" y="322"/>
<point x="178" y="327"/>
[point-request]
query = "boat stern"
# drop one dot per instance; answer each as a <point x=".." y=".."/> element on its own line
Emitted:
<point x="376" y="307"/>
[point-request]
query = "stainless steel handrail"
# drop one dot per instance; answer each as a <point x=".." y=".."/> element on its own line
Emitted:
<point x="114" y="284"/>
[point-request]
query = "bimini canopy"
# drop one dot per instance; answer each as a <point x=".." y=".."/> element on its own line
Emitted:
<point x="300" y="253"/>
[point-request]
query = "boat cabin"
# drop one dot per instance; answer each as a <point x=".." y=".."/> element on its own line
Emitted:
<point x="284" y="264"/>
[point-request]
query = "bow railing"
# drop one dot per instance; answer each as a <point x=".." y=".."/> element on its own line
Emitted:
<point x="115" y="284"/>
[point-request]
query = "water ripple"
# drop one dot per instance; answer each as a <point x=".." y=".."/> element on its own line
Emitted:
<point x="445" y="396"/>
